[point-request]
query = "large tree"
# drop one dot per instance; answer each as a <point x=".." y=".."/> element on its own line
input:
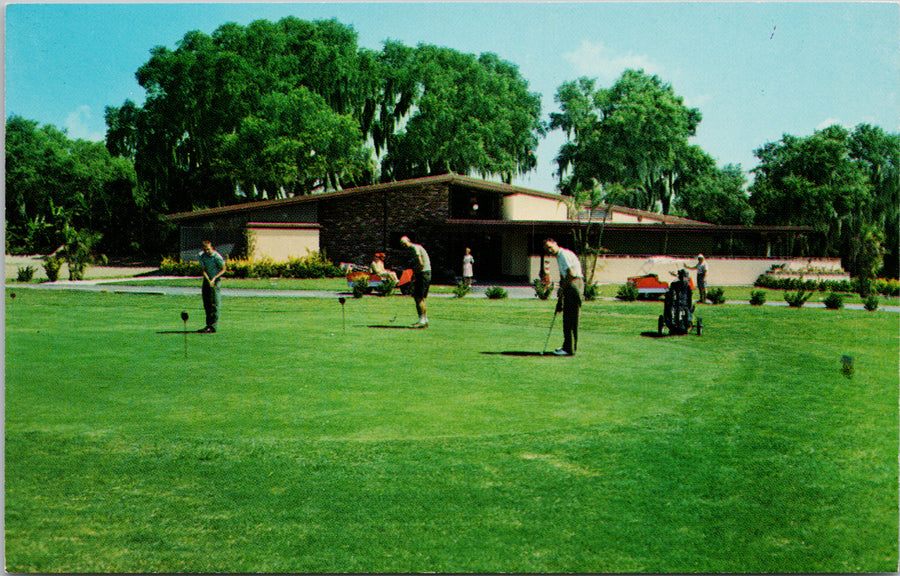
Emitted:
<point x="294" y="107"/>
<point x="717" y="196"/>
<point x="844" y="184"/>
<point x="467" y="114"/>
<point x="634" y="134"/>
<point x="54" y="182"/>
<point x="211" y="99"/>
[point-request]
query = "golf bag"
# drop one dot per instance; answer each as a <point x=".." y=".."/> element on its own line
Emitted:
<point x="678" y="309"/>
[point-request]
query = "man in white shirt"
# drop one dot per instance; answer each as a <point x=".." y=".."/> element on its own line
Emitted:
<point x="571" y="288"/>
<point x="701" y="275"/>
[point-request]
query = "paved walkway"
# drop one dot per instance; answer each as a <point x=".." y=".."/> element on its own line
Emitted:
<point x="110" y="285"/>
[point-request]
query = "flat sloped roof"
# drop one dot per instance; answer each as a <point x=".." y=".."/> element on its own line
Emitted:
<point x="467" y="181"/>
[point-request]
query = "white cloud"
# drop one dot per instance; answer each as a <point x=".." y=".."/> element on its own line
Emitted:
<point x="698" y="101"/>
<point x="829" y="122"/>
<point x="81" y="124"/>
<point x="596" y="59"/>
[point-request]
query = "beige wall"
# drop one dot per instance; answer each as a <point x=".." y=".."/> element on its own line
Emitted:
<point x="721" y="271"/>
<point x="524" y="207"/>
<point x="282" y="244"/>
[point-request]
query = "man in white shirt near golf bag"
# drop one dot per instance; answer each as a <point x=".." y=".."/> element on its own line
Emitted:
<point x="571" y="288"/>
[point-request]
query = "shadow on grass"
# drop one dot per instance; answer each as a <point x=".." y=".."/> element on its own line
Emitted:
<point x="654" y="335"/>
<point x="392" y="327"/>
<point x="521" y="353"/>
<point x="178" y="332"/>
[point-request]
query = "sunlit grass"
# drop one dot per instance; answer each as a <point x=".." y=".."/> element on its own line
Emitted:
<point x="307" y="436"/>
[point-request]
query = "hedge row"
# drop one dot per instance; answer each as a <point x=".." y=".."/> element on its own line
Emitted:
<point x="887" y="287"/>
<point x="313" y="266"/>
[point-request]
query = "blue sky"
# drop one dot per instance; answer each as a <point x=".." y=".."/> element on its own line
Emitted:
<point x="755" y="70"/>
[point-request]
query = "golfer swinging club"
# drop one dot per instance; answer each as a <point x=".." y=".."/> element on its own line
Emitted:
<point x="213" y="267"/>
<point x="571" y="287"/>
<point x="421" y="280"/>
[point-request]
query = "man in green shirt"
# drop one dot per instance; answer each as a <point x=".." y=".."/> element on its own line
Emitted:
<point x="421" y="279"/>
<point x="213" y="268"/>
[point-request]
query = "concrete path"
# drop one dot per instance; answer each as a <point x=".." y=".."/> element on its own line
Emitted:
<point x="517" y="292"/>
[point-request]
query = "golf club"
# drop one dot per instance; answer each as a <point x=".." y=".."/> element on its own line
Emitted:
<point x="552" y="322"/>
<point x="184" y="318"/>
<point x="342" y="300"/>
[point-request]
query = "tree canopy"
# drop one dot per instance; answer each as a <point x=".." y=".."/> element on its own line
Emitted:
<point x="470" y="114"/>
<point x="845" y="184"/>
<point x="54" y="183"/>
<point x="292" y="107"/>
<point x="634" y="134"/>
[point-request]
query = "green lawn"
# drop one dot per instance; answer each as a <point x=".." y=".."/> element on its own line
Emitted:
<point x="290" y="443"/>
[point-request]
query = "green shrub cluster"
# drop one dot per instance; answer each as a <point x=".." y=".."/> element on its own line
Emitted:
<point x="886" y="286"/>
<point x="496" y="293"/>
<point x="543" y="290"/>
<point x="462" y="288"/>
<point x="797" y="299"/>
<point x="51" y="267"/>
<point x="757" y="297"/>
<point x="172" y="267"/>
<point x="25" y="273"/>
<point x="591" y="291"/>
<point x="360" y="287"/>
<point x="834" y="301"/>
<point x="627" y="292"/>
<point x="871" y="303"/>
<point x="314" y="265"/>
<point x="716" y="295"/>
<point x="386" y="287"/>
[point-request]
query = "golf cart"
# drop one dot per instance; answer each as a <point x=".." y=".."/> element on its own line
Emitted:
<point x="678" y="309"/>
<point x="356" y="272"/>
<point x="649" y="286"/>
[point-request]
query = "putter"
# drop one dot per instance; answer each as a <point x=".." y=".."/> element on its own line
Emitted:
<point x="184" y="318"/>
<point x="342" y="300"/>
<point x="552" y="322"/>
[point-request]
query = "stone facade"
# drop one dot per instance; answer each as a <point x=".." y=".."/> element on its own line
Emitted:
<point x="355" y="227"/>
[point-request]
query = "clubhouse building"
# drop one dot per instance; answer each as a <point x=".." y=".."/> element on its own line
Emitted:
<point x="503" y="225"/>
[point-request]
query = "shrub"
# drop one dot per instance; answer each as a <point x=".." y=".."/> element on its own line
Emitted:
<point x="797" y="299"/>
<point x="863" y="286"/>
<point x="25" y="273"/>
<point x="834" y="301"/>
<point x="888" y="286"/>
<point x="387" y="286"/>
<point x="871" y="303"/>
<point x="775" y="283"/>
<point x="591" y="291"/>
<point x="716" y="295"/>
<point x="496" y="293"/>
<point x="267" y="268"/>
<point x="171" y="267"/>
<point x="757" y="297"/>
<point x="51" y="267"/>
<point x="313" y="265"/>
<point x="461" y="289"/>
<point x="627" y="292"/>
<point x="360" y="287"/>
<point x="543" y="289"/>
<point x="238" y="269"/>
<point x="79" y="249"/>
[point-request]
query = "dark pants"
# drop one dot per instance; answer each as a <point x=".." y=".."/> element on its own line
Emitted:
<point x="211" y="303"/>
<point x="571" y="308"/>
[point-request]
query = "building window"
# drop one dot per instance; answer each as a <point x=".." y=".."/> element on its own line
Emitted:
<point x="468" y="204"/>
